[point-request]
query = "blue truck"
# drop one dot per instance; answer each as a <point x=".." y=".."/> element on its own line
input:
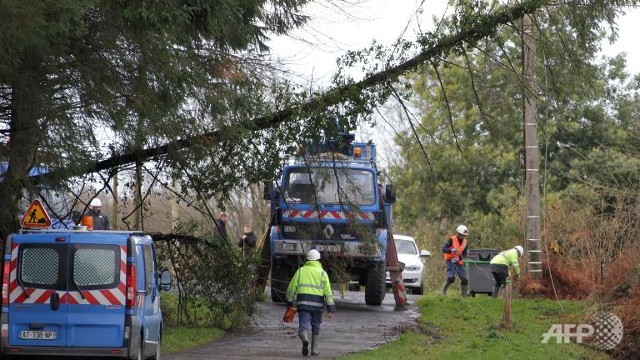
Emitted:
<point x="81" y="293"/>
<point x="329" y="198"/>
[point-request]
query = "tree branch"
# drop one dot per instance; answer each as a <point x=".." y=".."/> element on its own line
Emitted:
<point x="475" y="29"/>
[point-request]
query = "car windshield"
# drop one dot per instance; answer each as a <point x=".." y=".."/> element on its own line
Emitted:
<point x="327" y="185"/>
<point x="406" y="247"/>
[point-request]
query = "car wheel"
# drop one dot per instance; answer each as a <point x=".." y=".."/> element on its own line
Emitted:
<point x="418" y="290"/>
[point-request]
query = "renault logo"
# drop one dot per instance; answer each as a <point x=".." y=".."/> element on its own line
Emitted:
<point x="328" y="231"/>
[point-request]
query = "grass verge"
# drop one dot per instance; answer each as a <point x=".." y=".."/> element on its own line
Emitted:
<point x="471" y="328"/>
<point x="177" y="339"/>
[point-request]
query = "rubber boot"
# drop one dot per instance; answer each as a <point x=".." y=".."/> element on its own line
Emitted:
<point x="496" y="290"/>
<point x="314" y="344"/>
<point x="464" y="290"/>
<point x="304" y="336"/>
<point x="445" y="286"/>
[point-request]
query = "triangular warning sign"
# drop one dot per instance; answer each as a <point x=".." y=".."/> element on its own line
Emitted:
<point x="36" y="216"/>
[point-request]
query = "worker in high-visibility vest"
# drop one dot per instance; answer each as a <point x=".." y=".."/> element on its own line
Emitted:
<point x="455" y="250"/>
<point x="500" y="265"/>
<point x="311" y="290"/>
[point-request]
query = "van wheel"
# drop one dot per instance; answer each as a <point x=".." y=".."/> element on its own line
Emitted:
<point x="140" y="353"/>
<point x="156" y="356"/>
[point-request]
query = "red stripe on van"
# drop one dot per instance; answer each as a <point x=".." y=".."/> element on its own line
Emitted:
<point x="44" y="298"/>
<point x="90" y="298"/>
<point x="122" y="287"/>
<point x="112" y="299"/>
<point x="23" y="296"/>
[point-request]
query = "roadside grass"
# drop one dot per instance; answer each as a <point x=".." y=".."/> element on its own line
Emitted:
<point x="176" y="337"/>
<point x="471" y="328"/>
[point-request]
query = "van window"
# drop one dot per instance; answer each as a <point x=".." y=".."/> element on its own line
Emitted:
<point x="96" y="267"/>
<point x="40" y="267"/>
<point x="148" y="266"/>
<point x="141" y="276"/>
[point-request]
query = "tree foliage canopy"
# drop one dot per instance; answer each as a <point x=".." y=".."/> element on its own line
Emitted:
<point x="82" y="80"/>
<point x="462" y="161"/>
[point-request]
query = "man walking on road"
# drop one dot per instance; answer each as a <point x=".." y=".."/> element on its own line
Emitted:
<point x="500" y="265"/>
<point x="455" y="249"/>
<point x="311" y="290"/>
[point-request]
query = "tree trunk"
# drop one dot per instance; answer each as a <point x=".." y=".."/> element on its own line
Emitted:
<point x="27" y="108"/>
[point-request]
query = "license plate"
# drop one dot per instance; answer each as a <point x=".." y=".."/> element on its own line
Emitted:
<point x="38" y="335"/>
<point x="330" y="248"/>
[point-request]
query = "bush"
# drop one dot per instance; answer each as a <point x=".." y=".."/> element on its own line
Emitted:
<point x="213" y="284"/>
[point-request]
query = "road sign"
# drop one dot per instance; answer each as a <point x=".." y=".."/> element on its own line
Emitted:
<point x="36" y="216"/>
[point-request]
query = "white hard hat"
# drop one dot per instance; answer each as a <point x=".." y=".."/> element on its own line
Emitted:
<point x="462" y="230"/>
<point x="520" y="250"/>
<point x="313" y="254"/>
<point x="95" y="202"/>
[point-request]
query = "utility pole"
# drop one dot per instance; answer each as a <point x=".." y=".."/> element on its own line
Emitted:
<point x="115" y="225"/>
<point x="137" y="200"/>
<point x="533" y="237"/>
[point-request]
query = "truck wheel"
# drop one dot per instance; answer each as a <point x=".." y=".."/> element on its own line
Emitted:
<point x="279" y="282"/>
<point x="376" y="285"/>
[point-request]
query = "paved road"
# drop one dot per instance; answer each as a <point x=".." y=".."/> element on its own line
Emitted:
<point x="355" y="327"/>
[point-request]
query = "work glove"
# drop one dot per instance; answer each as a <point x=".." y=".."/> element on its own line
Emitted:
<point x="289" y="314"/>
<point x="454" y="250"/>
<point x="455" y="260"/>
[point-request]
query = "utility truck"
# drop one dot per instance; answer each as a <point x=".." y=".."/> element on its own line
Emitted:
<point x="330" y="198"/>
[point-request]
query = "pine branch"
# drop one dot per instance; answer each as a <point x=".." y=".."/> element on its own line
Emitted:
<point x="475" y="29"/>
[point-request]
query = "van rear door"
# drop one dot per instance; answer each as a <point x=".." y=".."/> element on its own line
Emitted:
<point x="37" y="288"/>
<point x="96" y="301"/>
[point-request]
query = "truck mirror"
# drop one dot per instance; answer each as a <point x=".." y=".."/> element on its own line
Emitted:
<point x="165" y="281"/>
<point x="390" y="193"/>
<point x="267" y="191"/>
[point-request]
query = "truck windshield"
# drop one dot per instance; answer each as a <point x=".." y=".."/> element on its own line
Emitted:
<point x="327" y="185"/>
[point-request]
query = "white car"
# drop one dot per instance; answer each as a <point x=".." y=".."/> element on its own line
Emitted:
<point x="413" y="274"/>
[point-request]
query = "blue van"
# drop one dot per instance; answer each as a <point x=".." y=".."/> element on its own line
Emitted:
<point x="81" y="293"/>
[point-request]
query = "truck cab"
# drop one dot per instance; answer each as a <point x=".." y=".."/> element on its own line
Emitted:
<point x="81" y="293"/>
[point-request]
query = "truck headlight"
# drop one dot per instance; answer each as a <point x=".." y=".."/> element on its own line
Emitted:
<point x="288" y="246"/>
<point x="352" y="248"/>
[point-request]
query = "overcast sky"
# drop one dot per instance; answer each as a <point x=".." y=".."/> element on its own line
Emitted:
<point x="312" y="51"/>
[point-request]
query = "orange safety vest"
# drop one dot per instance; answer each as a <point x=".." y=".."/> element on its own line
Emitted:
<point x="456" y="243"/>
